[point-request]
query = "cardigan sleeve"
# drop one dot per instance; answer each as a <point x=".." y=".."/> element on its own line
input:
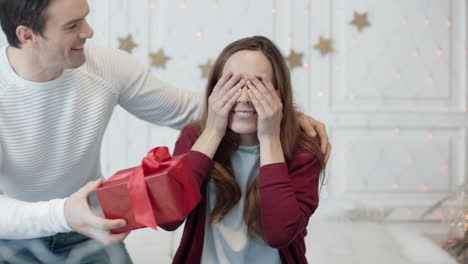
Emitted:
<point x="200" y="163"/>
<point x="288" y="197"/>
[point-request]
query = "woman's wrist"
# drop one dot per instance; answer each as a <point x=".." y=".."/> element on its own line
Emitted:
<point x="271" y="150"/>
<point x="208" y="142"/>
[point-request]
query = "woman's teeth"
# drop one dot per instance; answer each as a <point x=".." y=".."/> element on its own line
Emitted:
<point x="242" y="113"/>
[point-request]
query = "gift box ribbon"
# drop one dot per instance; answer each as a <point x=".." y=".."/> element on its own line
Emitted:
<point x="156" y="160"/>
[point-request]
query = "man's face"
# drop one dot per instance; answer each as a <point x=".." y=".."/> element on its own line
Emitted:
<point x="64" y="36"/>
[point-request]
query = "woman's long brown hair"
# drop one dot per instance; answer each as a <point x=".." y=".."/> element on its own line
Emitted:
<point x="228" y="192"/>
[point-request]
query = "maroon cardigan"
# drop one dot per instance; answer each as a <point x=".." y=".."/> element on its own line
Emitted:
<point x="288" y="197"/>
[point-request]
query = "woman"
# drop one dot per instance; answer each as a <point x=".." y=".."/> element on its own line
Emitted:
<point x="258" y="172"/>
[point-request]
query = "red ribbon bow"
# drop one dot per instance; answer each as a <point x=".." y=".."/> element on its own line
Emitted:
<point x="157" y="159"/>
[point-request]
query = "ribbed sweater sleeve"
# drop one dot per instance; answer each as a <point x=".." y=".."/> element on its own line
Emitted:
<point x="25" y="220"/>
<point x="142" y="94"/>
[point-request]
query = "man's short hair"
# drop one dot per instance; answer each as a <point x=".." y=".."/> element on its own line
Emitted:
<point x="29" y="13"/>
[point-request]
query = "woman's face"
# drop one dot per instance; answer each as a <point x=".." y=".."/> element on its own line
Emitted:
<point x="243" y="117"/>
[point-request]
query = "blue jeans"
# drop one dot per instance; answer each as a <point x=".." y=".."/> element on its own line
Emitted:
<point x="63" y="248"/>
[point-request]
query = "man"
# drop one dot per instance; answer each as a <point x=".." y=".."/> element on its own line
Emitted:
<point x="56" y="98"/>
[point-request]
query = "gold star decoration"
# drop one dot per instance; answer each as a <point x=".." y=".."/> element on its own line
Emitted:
<point x="325" y="46"/>
<point x="360" y="20"/>
<point x="159" y="59"/>
<point x="127" y="44"/>
<point x="206" y="68"/>
<point x="294" y="59"/>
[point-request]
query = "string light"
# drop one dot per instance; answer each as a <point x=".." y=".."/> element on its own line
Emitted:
<point x="199" y="34"/>
<point x="337" y="68"/>
<point x="321" y="94"/>
<point x="445" y="109"/>
<point x="445" y="166"/>
<point x="429" y="136"/>
<point x="273" y="10"/>
<point x="425" y="188"/>
<point x="216" y="5"/>
<point x="183" y="5"/>
<point x="440" y="52"/>
<point x="352" y="98"/>
<point x="404" y="21"/>
<point x="396" y="130"/>
<point x="426" y="21"/>
<point x="466" y="109"/>
<point x="412" y="160"/>
<point x="305" y="65"/>
<point x="306" y="11"/>
<point x="398" y="76"/>
<point x="449" y="22"/>
<point x="410" y="212"/>
<point x="395" y="186"/>
<point x="354" y="41"/>
<point x="152" y="5"/>
<point x="417" y="53"/>
<point x="430" y="81"/>
<point x="350" y="155"/>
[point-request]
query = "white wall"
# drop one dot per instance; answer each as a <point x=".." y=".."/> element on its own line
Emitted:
<point x="394" y="96"/>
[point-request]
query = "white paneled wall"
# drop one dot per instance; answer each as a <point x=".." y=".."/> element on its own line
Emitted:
<point x="394" y="96"/>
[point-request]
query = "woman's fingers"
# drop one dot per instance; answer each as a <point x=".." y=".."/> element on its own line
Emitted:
<point x="271" y="88"/>
<point x="221" y="82"/>
<point x="231" y="83"/>
<point x="256" y="103"/>
<point x="229" y="94"/>
<point x="232" y="101"/>
<point x="261" y="99"/>
<point x="263" y="90"/>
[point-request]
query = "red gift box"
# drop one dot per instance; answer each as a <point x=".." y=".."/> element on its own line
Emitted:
<point x="161" y="190"/>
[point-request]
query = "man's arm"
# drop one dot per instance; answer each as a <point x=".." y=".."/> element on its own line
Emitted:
<point x="24" y="220"/>
<point x="141" y="93"/>
<point x="160" y="103"/>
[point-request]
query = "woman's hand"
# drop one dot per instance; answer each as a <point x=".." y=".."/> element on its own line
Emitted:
<point x="269" y="109"/>
<point x="268" y="105"/>
<point x="223" y="97"/>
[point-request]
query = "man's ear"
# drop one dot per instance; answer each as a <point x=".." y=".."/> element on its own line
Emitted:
<point x="25" y="35"/>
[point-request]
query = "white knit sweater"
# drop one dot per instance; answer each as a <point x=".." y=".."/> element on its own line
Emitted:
<point x="51" y="133"/>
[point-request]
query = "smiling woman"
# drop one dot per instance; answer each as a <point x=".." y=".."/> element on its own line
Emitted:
<point x="243" y="118"/>
<point x="259" y="173"/>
